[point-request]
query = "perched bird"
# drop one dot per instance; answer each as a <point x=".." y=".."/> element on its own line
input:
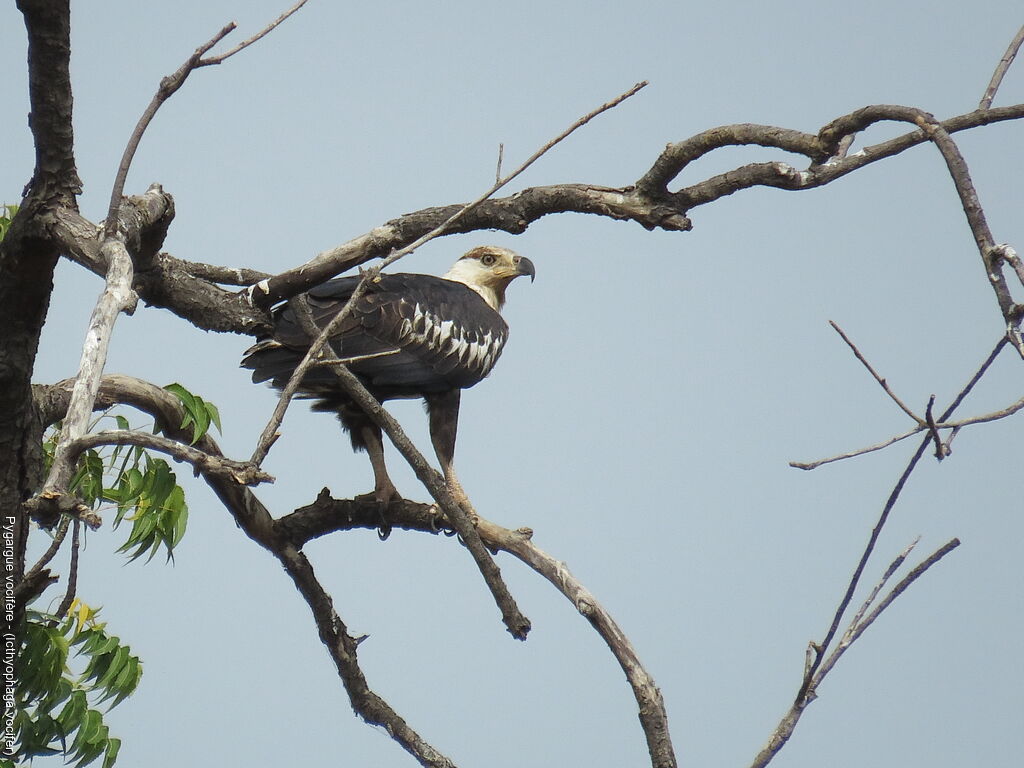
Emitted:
<point x="408" y="336"/>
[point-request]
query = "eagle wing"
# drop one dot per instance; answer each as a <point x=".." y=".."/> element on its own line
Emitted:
<point x="407" y="336"/>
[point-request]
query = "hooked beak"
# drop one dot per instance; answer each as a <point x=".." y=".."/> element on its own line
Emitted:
<point x="525" y="267"/>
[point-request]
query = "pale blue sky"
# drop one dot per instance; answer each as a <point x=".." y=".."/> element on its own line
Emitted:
<point x="642" y="417"/>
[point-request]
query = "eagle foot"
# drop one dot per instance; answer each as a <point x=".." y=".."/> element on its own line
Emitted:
<point x="382" y="496"/>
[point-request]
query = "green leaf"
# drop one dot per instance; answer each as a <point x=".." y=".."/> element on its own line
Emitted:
<point x="214" y="413"/>
<point x="110" y="756"/>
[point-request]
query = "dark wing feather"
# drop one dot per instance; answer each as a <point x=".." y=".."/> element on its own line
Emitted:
<point x="407" y="336"/>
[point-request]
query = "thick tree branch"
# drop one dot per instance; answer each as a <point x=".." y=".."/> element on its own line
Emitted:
<point x="174" y="284"/>
<point x="117" y="297"/>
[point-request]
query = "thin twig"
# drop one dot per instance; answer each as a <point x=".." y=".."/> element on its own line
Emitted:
<point x="858" y="452"/>
<point x="501" y="156"/>
<point x="1001" y="68"/>
<point x="882" y="382"/>
<point x="246" y="43"/>
<point x="955" y="426"/>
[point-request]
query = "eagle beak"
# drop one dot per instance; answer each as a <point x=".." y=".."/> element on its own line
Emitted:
<point x="525" y="267"/>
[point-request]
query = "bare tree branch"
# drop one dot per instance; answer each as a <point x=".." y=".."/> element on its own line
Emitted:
<point x="1001" y="69"/>
<point x="873" y="595"/>
<point x="168" y="282"/>
<point x="117" y="297"/>
<point x="326" y="515"/>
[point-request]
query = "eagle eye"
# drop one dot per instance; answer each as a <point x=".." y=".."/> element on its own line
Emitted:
<point x="487" y="259"/>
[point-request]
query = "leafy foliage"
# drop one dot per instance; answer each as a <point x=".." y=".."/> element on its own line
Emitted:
<point x="57" y="707"/>
<point x="144" y="487"/>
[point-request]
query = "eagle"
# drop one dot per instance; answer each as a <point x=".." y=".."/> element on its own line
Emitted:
<point x="407" y="336"/>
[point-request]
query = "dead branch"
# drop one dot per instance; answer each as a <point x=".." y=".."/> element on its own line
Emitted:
<point x="327" y="515"/>
<point x="821" y="648"/>
<point x="788" y="724"/>
<point x="169" y="283"/>
<point x="1001" y="69"/>
<point x="873" y="595"/>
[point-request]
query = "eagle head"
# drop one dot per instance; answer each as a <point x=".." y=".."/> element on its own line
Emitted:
<point x="488" y="270"/>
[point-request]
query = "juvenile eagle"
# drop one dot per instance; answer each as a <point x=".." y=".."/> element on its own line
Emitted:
<point x="407" y="336"/>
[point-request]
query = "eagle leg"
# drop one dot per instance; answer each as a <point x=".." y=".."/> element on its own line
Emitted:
<point x="366" y="434"/>
<point x="443" y="410"/>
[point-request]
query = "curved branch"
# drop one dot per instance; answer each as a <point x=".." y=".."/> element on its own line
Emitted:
<point x="327" y="515"/>
<point x="204" y="463"/>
